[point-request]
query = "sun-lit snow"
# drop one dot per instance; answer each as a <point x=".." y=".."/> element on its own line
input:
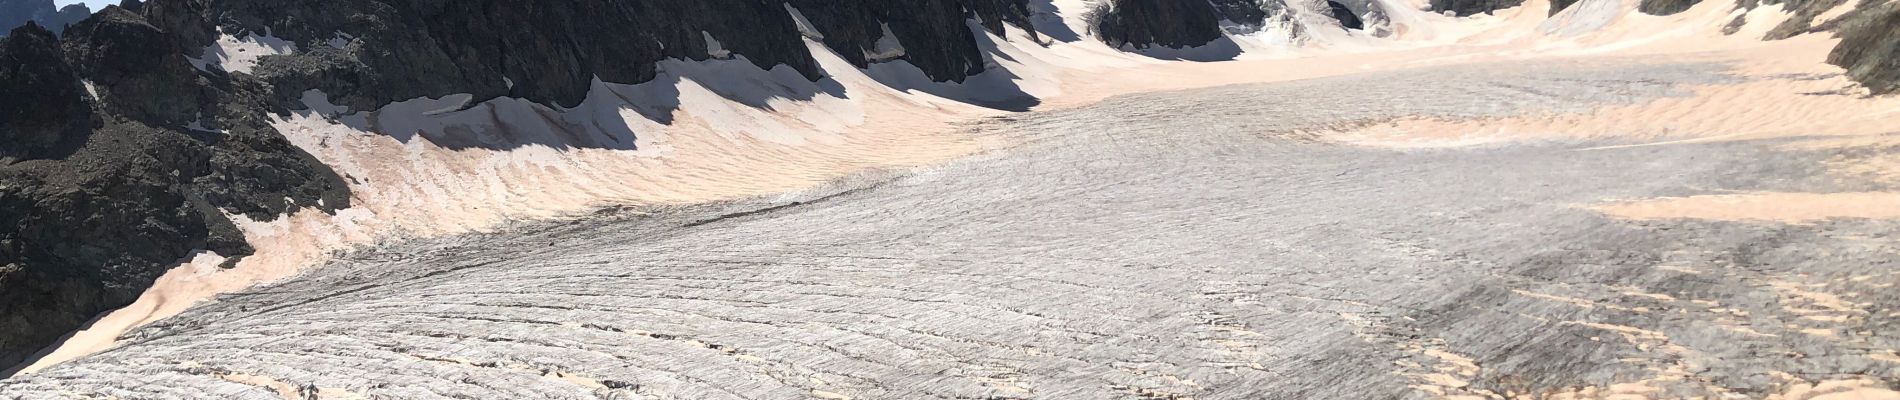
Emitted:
<point x="240" y="54"/>
<point x="887" y="47"/>
<point x="725" y="128"/>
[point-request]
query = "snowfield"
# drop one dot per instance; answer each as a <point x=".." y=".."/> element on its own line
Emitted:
<point x="1125" y="249"/>
<point x="1596" y="204"/>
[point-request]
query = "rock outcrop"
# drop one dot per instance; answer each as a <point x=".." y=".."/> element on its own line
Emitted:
<point x="1142" y="24"/>
<point x="1474" y="7"/>
<point x="1803" y="15"/>
<point x="1870" y="48"/>
<point x="121" y="160"/>
<point x="43" y="107"/>
<point x="1347" y="18"/>
<point x="942" y="44"/>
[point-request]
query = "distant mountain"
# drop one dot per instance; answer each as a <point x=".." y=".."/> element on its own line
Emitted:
<point x="14" y="13"/>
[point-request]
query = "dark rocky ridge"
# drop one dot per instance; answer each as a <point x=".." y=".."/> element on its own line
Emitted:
<point x="1804" y="12"/>
<point x="1345" y="15"/>
<point x="553" y="50"/>
<point x="1143" y="24"/>
<point x="14" y="13"/>
<point x="951" y="54"/>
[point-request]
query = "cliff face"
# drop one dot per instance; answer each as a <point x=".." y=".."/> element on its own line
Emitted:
<point x="1177" y="24"/>
<point x="365" y="53"/>
<point x="941" y="42"/>
<point x="1145" y="23"/>
<point x="43" y="107"/>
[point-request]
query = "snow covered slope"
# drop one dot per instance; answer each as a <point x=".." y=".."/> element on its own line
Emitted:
<point x="385" y="120"/>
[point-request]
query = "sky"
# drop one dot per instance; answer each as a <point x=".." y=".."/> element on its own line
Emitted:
<point x="95" y="5"/>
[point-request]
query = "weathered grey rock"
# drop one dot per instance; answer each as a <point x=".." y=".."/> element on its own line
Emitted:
<point x="1473" y="7"/>
<point x="934" y="34"/>
<point x="553" y="50"/>
<point x="1141" y="24"/>
<point x="1870" y="47"/>
<point x="1347" y="18"/>
<point x="43" y="108"/>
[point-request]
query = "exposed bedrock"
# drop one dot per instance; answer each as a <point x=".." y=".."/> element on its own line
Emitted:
<point x="120" y="160"/>
<point x="1870" y="48"/>
<point x="1803" y="13"/>
<point x="1347" y="18"/>
<point x="1473" y="7"/>
<point x="1141" y="24"/>
<point x="367" y="53"/>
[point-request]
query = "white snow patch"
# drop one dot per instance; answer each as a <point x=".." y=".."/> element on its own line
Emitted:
<point x="340" y="40"/>
<point x="887" y="47"/>
<point x="319" y="102"/>
<point x="714" y="48"/>
<point x="199" y="125"/>
<point x="804" y="25"/>
<point x="234" y="54"/>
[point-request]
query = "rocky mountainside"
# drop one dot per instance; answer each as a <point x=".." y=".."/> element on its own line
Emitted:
<point x="1143" y="23"/>
<point x="121" y="160"/>
<point x="14" y="13"/>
